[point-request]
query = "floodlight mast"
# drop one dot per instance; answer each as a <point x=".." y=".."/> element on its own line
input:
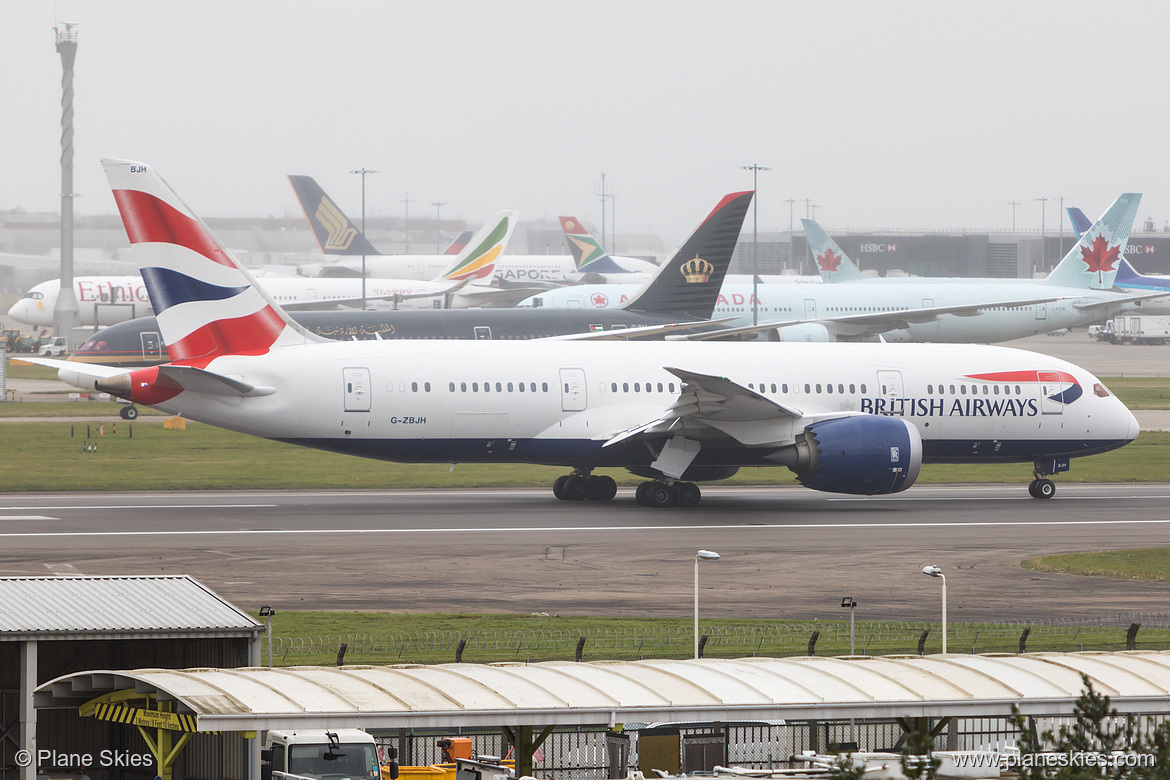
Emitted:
<point x="934" y="571"/>
<point x="701" y="555"/>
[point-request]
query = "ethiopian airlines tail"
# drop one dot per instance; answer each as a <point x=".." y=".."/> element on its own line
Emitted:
<point x="477" y="260"/>
<point x="206" y="303"/>
<point x="336" y="235"/>
<point x="834" y="265"/>
<point x="588" y="255"/>
<point x="1092" y="262"/>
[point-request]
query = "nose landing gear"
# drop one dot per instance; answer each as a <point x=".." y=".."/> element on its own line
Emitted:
<point x="1041" y="486"/>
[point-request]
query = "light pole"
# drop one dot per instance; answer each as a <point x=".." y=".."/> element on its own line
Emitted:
<point x="934" y="571"/>
<point x="268" y="612"/>
<point x="1060" y="214"/>
<point x="851" y="604"/>
<point x="438" y="205"/>
<point x="406" y="220"/>
<point x="701" y="555"/>
<point x="791" y="204"/>
<point x="363" y="172"/>
<point x="1043" y="256"/>
<point x="755" y="168"/>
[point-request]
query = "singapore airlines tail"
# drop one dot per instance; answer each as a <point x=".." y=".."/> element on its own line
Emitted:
<point x="833" y="264"/>
<point x="1092" y="263"/>
<point x="336" y="235"/>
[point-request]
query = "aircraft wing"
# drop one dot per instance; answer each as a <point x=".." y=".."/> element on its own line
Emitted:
<point x="710" y="406"/>
<point x="869" y="323"/>
<point x="1089" y="305"/>
<point x="89" y="370"/>
<point x="623" y="334"/>
<point x="497" y="297"/>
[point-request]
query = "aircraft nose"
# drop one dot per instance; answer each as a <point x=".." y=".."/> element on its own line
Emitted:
<point x="1134" y="427"/>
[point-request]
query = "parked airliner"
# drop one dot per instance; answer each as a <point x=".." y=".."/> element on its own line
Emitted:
<point x="847" y="418"/>
<point x="1128" y="277"/>
<point x="340" y="239"/>
<point x="106" y="300"/>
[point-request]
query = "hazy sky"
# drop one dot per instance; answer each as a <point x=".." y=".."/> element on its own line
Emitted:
<point x="887" y="114"/>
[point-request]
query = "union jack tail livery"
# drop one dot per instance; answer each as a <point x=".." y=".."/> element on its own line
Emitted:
<point x="206" y="303"/>
<point x="833" y="264"/>
<point x="1092" y="262"/>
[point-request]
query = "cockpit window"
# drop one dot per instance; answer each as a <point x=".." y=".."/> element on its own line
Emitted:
<point x="34" y="295"/>
<point x="1100" y="391"/>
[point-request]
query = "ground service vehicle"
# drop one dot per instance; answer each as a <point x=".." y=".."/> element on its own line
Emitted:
<point x="1140" y="329"/>
<point x="344" y="754"/>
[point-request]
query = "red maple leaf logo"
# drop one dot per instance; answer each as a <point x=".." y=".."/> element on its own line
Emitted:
<point x="1100" y="257"/>
<point x="599" y="300"/>
<point x="829" y="261"/>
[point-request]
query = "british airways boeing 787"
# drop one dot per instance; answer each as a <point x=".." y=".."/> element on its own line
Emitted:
<point x="847" y="418"/>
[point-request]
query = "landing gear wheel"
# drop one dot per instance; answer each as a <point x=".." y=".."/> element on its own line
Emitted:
<point x="602" y="488"/>
<point x="641" y="494"/>
<point x="575" y="488"/>
<point x="660" y="494"/>
<point x="1045" y="488"/>
<point x="1032" y="488"/>
<point x="687" y="494"/>
<point x="559" y="487"/>
<point x="128" y="413"/>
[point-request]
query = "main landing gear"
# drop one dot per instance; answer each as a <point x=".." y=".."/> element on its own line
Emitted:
<point x="660" y="494"/>
<point x="583" y="486"/>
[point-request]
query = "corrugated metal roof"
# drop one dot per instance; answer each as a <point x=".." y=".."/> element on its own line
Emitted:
<point x="75" y="607"/>
<point x="567" y="693"/>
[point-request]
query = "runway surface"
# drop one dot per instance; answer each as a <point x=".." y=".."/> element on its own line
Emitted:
<point x="787" y="552"/>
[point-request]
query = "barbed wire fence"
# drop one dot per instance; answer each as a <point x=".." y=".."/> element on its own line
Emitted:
<point x="1120" y="631"/>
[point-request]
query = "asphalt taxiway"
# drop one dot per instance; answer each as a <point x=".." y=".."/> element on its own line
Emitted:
<point x="786" y="552"/>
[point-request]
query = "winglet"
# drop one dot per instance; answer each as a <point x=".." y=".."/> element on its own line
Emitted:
<point x="834" y="264"/>
<point x="335" y="233"/>
<point x="1092" y="262"/>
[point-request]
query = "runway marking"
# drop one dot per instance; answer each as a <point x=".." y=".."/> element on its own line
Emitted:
<point x="144" y="506"/>
<point x="571" y="528"/>
<point x="27" y="517"/>
<point x="62" y="569"/>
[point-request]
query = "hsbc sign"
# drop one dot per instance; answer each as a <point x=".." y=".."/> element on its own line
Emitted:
<point x="878" y="248"/>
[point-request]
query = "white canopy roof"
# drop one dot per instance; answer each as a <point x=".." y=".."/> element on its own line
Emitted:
<point x="568" y="693"/>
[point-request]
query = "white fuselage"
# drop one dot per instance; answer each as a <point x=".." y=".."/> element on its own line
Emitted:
<point x="785" y="303"/>
<point x="520" y="269"/>
<point x="461" y="402"/>
<point x="107" y="300"/>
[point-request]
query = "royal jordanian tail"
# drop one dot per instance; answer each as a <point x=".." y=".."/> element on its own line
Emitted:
<point x="834" y="265"/>
<point x="336" y="235"/>
<point x="689" y="282"/>
<point x="588" y="255"/>
<point x="1092" y="262"/>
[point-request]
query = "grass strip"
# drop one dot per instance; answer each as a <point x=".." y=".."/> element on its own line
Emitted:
<point x="1151" y="564"/>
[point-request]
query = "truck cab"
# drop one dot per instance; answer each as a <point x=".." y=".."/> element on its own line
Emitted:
<point x="344" y="754"/>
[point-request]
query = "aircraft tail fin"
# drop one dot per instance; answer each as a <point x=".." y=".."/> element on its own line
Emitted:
<point x="1080" y="223"/>
<point x="833" y="264"/>
<point x="1092" y="262"/>
<point x="206" y="303"/>
<point x="478" y="258"/>
<point x="456" y="246"/>
<point x="689" y="282"/>
<point x="588" y="254"/>
<point x="335" y="233"/>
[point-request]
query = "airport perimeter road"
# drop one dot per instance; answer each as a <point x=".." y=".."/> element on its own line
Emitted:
<point x="786" y="552"/>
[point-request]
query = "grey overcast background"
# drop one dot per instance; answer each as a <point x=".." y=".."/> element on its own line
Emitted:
<point x="892" y="114"/>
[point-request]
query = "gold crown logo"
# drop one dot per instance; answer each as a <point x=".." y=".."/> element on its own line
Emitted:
<point x="697" y="271"/>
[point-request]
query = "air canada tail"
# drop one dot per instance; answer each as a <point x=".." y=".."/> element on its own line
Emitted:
<point x="206" y="303"/>
<point x="478" y="258"/>
<point x="1092" y="262"/>
<point x="833" y="264"/>
<point x="336" y="234"/>
<point x="689" y="282"/>
<point x="587" y="253"/>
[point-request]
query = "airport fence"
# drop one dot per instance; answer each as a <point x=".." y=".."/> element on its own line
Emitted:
<point x="1146" y="631"/>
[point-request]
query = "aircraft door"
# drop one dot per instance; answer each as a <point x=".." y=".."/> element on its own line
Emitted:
<point x="890" y="387"/>
<point x="1050" y="385"/>
<point x="928" y="303"/>
<point x="810" y="308"/>
<point x="357" y="389"/>
<point x="483" y="333"/>
<point x="573" y="390"/>
<point x="151" y="347"/>
<point x="1041" y="311"/>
